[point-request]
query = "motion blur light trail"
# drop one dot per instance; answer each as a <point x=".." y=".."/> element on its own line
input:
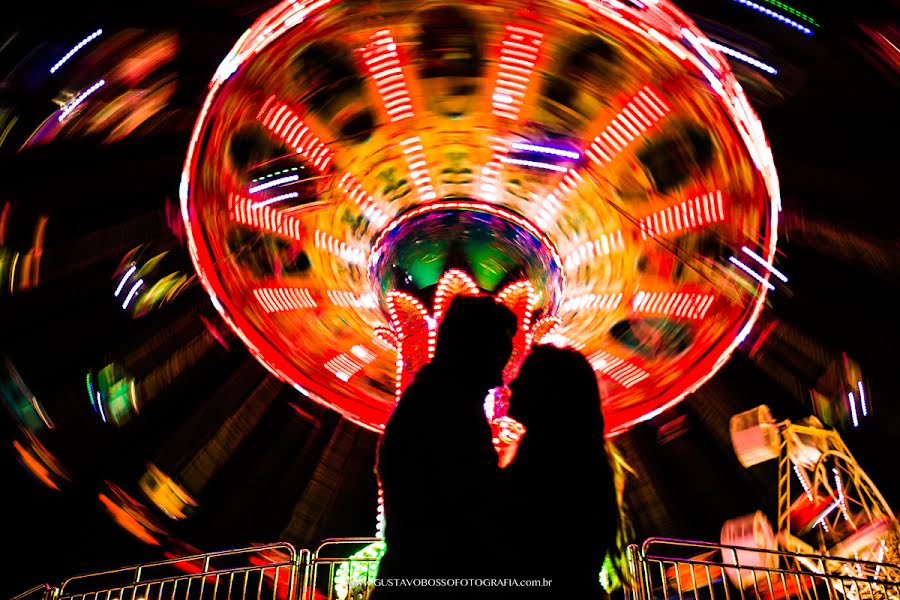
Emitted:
<point x="616" y="134"/>
<point x="594" y="164"/>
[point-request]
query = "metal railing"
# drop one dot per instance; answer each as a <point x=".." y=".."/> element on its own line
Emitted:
<point x="345" y="568"/>
<point x="664" y="569"/>
<point x="342" y="569"/>
<point x="269" y="572"/>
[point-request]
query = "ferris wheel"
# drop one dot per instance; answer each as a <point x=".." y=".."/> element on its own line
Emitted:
<point x="828" y="507"/>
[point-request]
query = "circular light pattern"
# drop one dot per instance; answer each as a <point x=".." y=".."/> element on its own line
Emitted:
<point x="600" y="150"/>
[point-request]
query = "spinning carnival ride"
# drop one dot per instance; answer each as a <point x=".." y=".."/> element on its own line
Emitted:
<point x="595" y="165"/>
<point x="827" y="505"/>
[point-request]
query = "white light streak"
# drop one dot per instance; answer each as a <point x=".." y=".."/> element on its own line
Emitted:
<point x="274" y="183"/>
<point x="862" y="399"/>
<point x="72" y="52"/>
<point x="765" y="263"/>
<point x="741" y="56"/>
<point x="67" y="110"/>
<point x="534" y="163"/>
<point x="125" y="277"/>
<point x="546" y="150"/>
<point x="131" y="292"/>
<point x="752" y="273"/>
<point x="262" y="203"/>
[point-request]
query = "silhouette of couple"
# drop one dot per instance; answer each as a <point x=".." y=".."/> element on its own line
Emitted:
<point x="452" y="514"/>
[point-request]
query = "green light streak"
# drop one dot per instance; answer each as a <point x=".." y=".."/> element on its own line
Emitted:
<point x="793" y="11"/>
<point x="489" y="266"/>
<point x="360" y="572"/>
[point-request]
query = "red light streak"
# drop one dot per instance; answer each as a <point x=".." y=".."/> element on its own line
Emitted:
<point x="266" y="218"/>
<point x="290" y="128"/>
<point x="644" y="110"/>
<point x="418" y="167"/>
<point x="518" y="56"/>
<point x="621" y="371"/>
<point x="678" y="304"/>
<point x="702" y="210"/>
<point x="383" y="63"/>
<point x="280" y="299"/>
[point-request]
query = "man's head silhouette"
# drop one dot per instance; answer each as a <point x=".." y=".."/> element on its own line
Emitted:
<point x="475" y="339"/>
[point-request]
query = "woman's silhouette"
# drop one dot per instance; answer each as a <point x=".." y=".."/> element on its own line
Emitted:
<point x="436" y="461"/>
<point x="559" y="490"/>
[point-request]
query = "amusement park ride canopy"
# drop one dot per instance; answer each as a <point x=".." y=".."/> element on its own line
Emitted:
<point x="594" y="163"/>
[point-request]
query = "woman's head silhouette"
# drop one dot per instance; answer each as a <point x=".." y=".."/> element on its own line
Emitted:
<point x="556" y="391"/>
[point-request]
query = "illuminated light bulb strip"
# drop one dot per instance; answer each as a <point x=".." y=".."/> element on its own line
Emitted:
<point x="678" y="304"/>
<point x="77" y="47"/>
<point x="824" y="514"/>
<point x="769" y="267"/>
<point x="125" y="277"/>
<point x="776" y="16"/>
<point x="379" y="519"/>
<point x="862" y="399"/>
<point x="793" y="11"/>
<point x="261" y="203"/>
<point x="281" y="299"/>
<point x="521" y="299"/>
<point x="271" y="175"/>
<point x="418" y="167"/>
<point x="741" y="56"/>
<point x="601" y="246"/>
<point x="697" y="212"/>
<point x="619" y="370"/>
<point x="132" y="292"/>
<point x="67" y="110"/>
<point x="608" y="302"/>
<point x="355" y="191"/>
<point x="535" y="163"/>
<point x="803" y="482"/>
<point x="414" y="332"/>
<point x="349" y="299"/>
<point x="641" y="113"/>
<point x="274" y="183"/>
<point x="344" y="366"/>
<point x="285" y="124"/>
<point x="840" y="490"/>
<point x="492" y="171"/>
<point x="545" y="150"/>
<point x="264" y="31"/>
<point x="454" y="282"/>
<point x="543" y="327"/>
<point x="518" y="55"/>
<point x="383" y="63"/>
<point x="264" y="217"/>
<point x="385" y="338"/>
<point x="853" y="415"/>
<point x="551" y="205"/>
<point x="694" y="41"/>
<point x="340" y="249"/>
<point x="751" y="273"/>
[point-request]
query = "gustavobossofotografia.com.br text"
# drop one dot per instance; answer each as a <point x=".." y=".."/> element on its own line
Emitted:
<point x="453" y="582"/>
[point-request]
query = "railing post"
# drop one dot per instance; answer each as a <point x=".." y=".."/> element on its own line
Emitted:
<point x="301" y="562"/>
<point x="635" y="587"/>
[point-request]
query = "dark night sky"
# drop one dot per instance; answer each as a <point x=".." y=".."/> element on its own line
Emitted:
<point x="834" y="141"/>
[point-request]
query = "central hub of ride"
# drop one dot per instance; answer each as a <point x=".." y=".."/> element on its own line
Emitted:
<point x="495" y="246"/>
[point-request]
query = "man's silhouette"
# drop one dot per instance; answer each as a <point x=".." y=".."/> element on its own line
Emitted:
<point x="436" y="461"/>
<point x="559" y="492"/>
